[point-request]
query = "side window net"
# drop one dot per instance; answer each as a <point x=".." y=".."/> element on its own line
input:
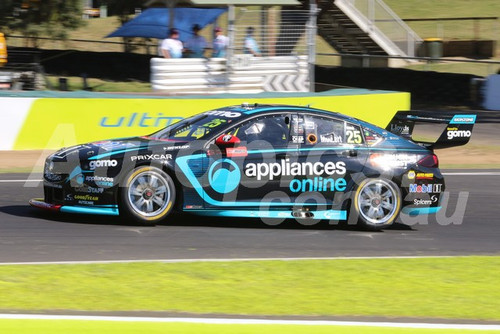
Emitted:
<point x="273" y="130"/>
<point x="320" y="130"/>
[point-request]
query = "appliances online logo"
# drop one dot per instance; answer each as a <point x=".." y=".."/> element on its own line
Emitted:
<point x="225" y="175"/>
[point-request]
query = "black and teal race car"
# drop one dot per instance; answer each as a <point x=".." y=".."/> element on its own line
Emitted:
<point x="268" y="161"/>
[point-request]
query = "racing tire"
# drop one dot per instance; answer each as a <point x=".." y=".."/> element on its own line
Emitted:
<point x="148" y="195"/>
<point x="376" y="203"/>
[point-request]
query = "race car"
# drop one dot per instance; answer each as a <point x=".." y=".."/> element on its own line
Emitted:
<point x="275" y="162"/>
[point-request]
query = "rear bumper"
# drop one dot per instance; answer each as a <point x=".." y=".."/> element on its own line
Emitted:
<point x="107" y="210"/>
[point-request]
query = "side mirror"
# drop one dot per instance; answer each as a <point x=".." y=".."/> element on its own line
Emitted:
<point x="225" y="141"/>
<point x="229" y="146"/>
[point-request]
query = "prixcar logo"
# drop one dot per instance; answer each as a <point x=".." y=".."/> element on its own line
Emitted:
<point x="455" y="133"/>
<point x="103" y="163"/>
<point x="224" y="176"/>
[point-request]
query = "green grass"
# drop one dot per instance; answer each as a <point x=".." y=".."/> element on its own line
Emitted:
<point x="458" y="67"/>
<point x="465" y="287"/>
<point x="448" y="8"/>
<point x="83" y="327"/>
<point x="23" y="170"/>
<point x="468" y="166"/>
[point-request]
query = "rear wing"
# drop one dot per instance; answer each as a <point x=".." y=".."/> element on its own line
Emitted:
<point x="457" y="132"/>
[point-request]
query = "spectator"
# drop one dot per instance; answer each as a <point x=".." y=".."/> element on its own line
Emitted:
<point x="172" y="47"/>
<point x="251" y="46"/>
<point x="221" y="43"/>
<point x="196" y="45"/>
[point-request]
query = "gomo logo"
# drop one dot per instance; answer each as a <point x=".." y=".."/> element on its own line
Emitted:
<point x="458" y="134"/>
<point x="223" y="113"/>
<point x="103" y="163"/>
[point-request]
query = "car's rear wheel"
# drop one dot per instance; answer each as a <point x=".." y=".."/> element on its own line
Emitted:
<point x="377" y="203"/>
<point x="148" y="195"/>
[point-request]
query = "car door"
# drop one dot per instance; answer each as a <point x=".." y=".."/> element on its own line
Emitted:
<point x="256" y="175"/>
<point x="332" y="155"/>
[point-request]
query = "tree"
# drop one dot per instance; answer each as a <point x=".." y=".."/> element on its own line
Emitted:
<point x="35" y="18"/>
<point x="123" y="10"/>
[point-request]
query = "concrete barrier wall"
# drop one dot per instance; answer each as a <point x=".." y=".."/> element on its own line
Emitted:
<point x="51" y="123"/>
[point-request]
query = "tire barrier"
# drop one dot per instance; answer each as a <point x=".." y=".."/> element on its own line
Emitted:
<point x="246" y="74"/>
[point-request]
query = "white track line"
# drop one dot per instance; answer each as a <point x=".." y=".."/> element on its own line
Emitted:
<point x="473" y="173"/>
<point x="238" y="259"/>
<point x="237" y="321"/>
<point x="18" y="181"/>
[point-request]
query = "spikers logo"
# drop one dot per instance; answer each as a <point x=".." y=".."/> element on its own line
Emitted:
<point x="224" y="176"/>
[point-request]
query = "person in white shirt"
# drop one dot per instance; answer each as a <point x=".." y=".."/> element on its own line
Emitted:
<point x="196" y="45"/>
<point x="172" y="47"/>
<point x="220" y="44"/>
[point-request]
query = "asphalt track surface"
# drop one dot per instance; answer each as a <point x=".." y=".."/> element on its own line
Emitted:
<point x="30" y="235"/>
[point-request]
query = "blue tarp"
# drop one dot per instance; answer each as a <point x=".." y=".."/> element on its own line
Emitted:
<point x="154" y="22"/>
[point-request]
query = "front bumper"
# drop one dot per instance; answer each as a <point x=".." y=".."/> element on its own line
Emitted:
<point x="108" y="210"/>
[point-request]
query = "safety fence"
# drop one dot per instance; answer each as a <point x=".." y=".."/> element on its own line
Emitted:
<point x="22" y="71"/>
<point x="243" y="74"/>
<point x="276" y="32"/>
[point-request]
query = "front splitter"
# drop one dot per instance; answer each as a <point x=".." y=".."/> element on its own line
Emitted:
<point x="107" y="210"/>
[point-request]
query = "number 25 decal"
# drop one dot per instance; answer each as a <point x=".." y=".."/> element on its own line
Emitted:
<point x="354" y="137"/>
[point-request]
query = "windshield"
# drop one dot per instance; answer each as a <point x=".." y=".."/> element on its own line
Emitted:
<point x="192" y="128"/>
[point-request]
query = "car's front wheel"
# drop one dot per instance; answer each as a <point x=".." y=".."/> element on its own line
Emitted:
<point x="377" y="203"/>
<point x="148" y="195"/>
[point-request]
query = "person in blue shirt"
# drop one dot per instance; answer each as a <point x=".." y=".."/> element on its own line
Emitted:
<point x="196" y="45"/>
<point x="220" y="44"/>
<point x="251" y="46"/>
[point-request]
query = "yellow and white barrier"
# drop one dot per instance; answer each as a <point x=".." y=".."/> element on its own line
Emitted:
<point x="51" y="123"/>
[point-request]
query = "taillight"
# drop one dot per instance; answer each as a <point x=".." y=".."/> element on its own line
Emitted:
<point x="430" y="161"/>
